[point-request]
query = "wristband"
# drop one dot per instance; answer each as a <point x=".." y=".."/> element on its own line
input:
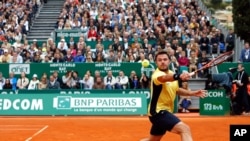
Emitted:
<point x="176" y="76"/>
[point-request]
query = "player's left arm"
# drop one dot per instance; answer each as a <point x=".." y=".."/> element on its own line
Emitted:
<point x="198" y="93"/>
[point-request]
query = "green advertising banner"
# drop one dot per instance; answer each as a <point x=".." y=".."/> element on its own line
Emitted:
<point x="54" y="104"/>
<point x="215" y="103"/>
<point x="62" y="68"/>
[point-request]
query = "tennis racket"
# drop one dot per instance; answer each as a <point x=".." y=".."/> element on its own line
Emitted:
<point x="216" y="61"/>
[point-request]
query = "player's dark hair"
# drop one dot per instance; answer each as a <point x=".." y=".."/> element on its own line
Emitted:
<point x="161" y="53"/>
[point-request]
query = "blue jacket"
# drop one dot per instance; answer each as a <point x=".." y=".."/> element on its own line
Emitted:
<point x="79" y="58"/>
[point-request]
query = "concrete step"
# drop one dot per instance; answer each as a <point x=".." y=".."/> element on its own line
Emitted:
<point x="41" y="31"/>
<point x="50" y="12"/>
<point x="38" y="37"/>
<point x="45" y="21"/>
<point x="42" y="28"/>
<point x="39" y="34"/>
<point x="39" y="20"/>
<point x="44" y="16"/>
<point x="44" y="25"/>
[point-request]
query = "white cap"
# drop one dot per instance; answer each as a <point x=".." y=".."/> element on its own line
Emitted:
<point x="34" y="75"/>
<point x="35" y="40"/>
<point x="62" y="40"/>
<point x="5" y="50"/>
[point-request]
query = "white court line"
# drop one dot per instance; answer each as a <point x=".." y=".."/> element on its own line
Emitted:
<point x="38" y="132"/>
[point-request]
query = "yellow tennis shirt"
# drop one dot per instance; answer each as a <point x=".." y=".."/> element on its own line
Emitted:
<point x="162" y="94"/>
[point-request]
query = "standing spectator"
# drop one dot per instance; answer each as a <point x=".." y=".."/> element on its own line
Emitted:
<point x="121" y="81"/>
<point x="241" y="97"/>
<point x="230" y="40"/>
<point x="33" y="85"/>
<point x="23" y="81"/>
<point x="53" y="84"/>
<point x="245" y="53"/>
<point x="109" y="80"/>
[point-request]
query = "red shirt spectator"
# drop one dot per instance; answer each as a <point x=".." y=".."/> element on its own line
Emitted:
<point x="183" y="60"/>
<point x="92" y="34"/>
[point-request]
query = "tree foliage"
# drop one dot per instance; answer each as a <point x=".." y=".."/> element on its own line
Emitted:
<point x="241" y="18"/>
<point x="216" y="2"/>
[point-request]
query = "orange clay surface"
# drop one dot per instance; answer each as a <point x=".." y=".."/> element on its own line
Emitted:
<point x="110" y="128"/>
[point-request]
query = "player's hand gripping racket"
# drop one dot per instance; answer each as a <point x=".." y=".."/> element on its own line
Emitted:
<point x="216" y="61"/>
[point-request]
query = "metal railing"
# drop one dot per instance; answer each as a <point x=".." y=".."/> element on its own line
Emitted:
<point x="239" y="43"/>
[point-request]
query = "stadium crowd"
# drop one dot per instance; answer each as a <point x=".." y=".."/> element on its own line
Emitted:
<point x="179" y="27"/>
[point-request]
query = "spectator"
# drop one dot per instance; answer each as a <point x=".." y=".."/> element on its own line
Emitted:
<point x="185" y="101"/>
<point x="5" y="58"/>
<point x="13" y="80"/>
<point x="2" y="81"/>
<point x="55" y="74"/>
<point x="202" y="61"/>
<point x="53" y="84"/>
<point x="135" y="83"/>
<point x="68" y="57"/>
<point x="42" y="85"/>
<point x="67" y="80"/>
<point x="33" y="84"/>
<point x="204" y="43"/>
<point x="111" y="57"/>
<point x="144" y="81"/>
<point x="109" y="80"/>
<point x="97" y="74"/>
<point x="16" y="58"/>
<point x="245" y="53"/>
<point x="230" y="41"/>
<point x="98" y="84"/>
<point x="183" y="62"/>
<point x="193" y="63"/>
<point x="7" y="85"/>
<point x="79" y="58"/>
<point x="62" y="45"/>
<point x="23" y="81"/>
<point x="87" y="82"/>
<point x="121" y="81"/>
<point x="57" y="58"/>
<point x="76" y="80"/>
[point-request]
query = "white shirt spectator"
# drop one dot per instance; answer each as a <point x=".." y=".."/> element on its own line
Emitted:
<point x="62" y="45"/>
<point x="88" y="82"/>
<point x="33" y="85"/>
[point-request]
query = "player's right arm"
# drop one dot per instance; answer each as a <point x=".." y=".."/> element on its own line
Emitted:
<point x="169" y="77"/>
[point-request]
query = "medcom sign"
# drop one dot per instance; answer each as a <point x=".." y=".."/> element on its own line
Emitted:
<point x="19" y="68"/>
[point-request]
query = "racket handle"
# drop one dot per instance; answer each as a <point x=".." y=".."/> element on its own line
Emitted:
<point x="192" y="74"/>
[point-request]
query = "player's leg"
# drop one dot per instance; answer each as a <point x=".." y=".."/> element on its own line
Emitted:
<point x="152" y="138"/>
<point x="183" y="130"/>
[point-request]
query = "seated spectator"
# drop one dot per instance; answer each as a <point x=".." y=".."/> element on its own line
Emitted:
<point x="13" y="80"/>
<point x="55" y="74"/>
<point x="42" y="85"/>
<point x="79" y="57"/>
<point x="193" y="62"/>
<point x="97" y="74"/>
<point x="135" y="83"/>
<point x="2" y="81"/>
<point x="92" y="34"/>
<point x="204" y="43"/>
<point x="16" y="58"/>
<point x="67" y="80"/>
<point x="111" y="57"/>
<point x="202" y="61"/>
<point x="57" y="58"/>
<point x="183" y="62"/>
<point x="98" y="84"/>
<point x="62" y="45"/>
<point x="7" y="85"/>
<point x="87" y="82"/>
<point x="121" y="81"/>
<point x="53" y="84"/>
<point x="68" y="57"/>
<point x="76" y="80"/>
<point x="185" y="101"/>
<point x="144" y="81"/>
<point x="33" y="85"/>
<point x="23" y="81"/>
<point x="109" y="80"/>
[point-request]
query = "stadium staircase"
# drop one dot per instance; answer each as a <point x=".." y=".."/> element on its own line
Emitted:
<point x="45" y="22"/>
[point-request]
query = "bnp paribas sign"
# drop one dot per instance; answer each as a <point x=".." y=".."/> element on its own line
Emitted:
<point x="19" y="68"/>
<point x="56" y="104"/>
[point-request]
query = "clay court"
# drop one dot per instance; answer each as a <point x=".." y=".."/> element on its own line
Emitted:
<point x="107" y="128"/>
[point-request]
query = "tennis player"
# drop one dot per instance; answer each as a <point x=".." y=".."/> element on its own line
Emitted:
<point x="164" y="87"/>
